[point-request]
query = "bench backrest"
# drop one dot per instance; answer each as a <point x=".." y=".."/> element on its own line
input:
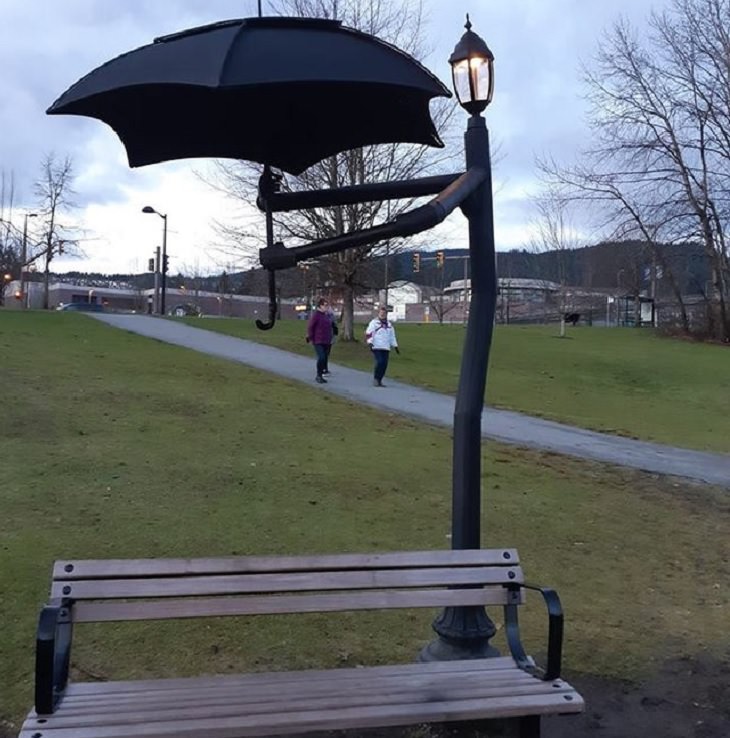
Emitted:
<point x="150" y="589"/>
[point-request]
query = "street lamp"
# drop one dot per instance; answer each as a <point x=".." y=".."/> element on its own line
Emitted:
<point x="464" y="632"/>
<point x="472" y="69"/>
<point x="149" y="209"/>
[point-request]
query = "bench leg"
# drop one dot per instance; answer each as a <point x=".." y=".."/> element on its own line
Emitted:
<point x="529" y="726"/>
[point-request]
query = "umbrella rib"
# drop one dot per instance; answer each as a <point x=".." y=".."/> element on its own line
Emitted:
<point x="229" y="53"/>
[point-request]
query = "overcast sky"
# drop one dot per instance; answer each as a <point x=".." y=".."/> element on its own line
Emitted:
<point x="47" y="45"/>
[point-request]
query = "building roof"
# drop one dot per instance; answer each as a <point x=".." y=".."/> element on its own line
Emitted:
<point x="515" y="283"/>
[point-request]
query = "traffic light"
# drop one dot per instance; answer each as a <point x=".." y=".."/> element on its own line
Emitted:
<point x="165" y="263"/>
<point x="416" y="261"/>
<point x="151" y="265"/>
<point x="439" y="259"/>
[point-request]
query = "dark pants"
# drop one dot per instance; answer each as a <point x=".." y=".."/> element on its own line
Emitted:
<point x="381" y="363"/>
<point x="322" y="350"/>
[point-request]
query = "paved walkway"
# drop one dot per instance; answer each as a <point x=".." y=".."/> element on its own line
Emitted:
<point x="432" y="407"/>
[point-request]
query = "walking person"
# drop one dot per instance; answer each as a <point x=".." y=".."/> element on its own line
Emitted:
<point x="380" y="336"/>
<point x="335" y="331"/>
<point x="319" y="334"/>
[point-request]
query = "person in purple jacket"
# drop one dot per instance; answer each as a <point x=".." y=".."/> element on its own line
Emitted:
<point x="319" y="334"/>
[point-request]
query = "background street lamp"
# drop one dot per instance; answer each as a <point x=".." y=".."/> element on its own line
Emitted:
<point x="149" y="209"/>
<point x="464" y="632"/>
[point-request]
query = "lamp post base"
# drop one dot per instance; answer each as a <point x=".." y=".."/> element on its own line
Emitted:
<point x="446" y="649"/>
<point x="463" y="633"/>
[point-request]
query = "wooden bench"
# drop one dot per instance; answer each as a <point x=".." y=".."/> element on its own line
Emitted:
<point x="278" y="703"/>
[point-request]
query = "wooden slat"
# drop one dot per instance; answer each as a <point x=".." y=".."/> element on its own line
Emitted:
<point x="343" y="718"/>
<point x="285" y="678"/>
<point x="134" y="568"/>
<point x="290" y="582"/>
<point x="193" y="707"/>
<point x="94" y="612"/>
<point x="265" y="688"/>
<point x="265" y="691"/>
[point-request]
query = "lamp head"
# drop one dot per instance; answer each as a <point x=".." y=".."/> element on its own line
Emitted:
<point x="148" y="209"/>
<point x="472" y="68"/>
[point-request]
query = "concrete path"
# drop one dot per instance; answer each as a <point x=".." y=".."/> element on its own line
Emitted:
<point x="435" y="408"/>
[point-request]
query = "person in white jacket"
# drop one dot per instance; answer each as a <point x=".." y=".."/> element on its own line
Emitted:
<point x="380" y="336"/>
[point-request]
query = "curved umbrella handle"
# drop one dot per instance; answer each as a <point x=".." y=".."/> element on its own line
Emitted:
<point x="272" y="305"/>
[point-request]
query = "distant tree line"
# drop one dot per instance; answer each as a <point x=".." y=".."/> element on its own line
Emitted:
<point x="622" y="266"/>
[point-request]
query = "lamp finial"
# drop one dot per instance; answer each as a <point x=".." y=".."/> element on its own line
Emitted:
<point x="467" y="25"/>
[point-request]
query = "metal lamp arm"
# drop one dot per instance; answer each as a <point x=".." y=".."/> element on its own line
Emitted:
<point x="270" y="198"/>
<point x="555" y="631"/>
<point x="422" y="218"/>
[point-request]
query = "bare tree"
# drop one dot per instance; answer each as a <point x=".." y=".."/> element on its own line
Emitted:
<point x="400" y="23"/>
<point x="555" y="233"/>
<point x="54" y="189"/>
<point x="660" y="169"/>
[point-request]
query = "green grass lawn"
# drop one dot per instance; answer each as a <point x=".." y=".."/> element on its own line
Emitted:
<point x="117" y="446"/>
<point x="625" y="381"/>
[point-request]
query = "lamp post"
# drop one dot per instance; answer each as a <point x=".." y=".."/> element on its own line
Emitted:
<point x="149" y="209"/>
<point x="464" y="632"/>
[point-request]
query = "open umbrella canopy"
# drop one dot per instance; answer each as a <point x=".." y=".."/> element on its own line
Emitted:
<point x="287" y="92"/>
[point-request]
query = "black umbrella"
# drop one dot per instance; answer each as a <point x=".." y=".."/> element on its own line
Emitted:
<point x="281" y="91"/>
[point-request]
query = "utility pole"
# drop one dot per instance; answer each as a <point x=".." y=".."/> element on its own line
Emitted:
<point x="24" y="261"/>
<point x="157" y="280"/>
<point x="466" y="290"/>
<point x="164" y="265"/>
<point x="387" y="259"/>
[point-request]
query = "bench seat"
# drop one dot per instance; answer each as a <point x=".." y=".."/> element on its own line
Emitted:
<point x="295" y="702"/>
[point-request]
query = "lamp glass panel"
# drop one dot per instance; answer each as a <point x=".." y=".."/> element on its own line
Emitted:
<point x="479" y="70"/>
<point x="461" y="81"/>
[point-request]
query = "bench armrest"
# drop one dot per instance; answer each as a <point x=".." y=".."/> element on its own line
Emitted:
<point x="53" y="653"/>
<point x="555" y="631"/>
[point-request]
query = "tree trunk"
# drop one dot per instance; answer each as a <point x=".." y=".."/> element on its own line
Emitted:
<point x="668" y="272"/>
<point x="722" y="330"/>
<point x="347" y="333"/>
